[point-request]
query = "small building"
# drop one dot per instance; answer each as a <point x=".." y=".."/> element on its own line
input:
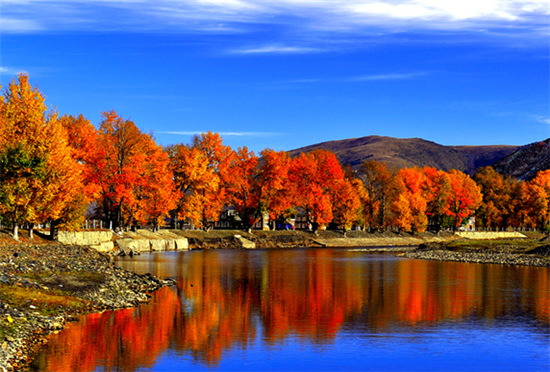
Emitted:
<point x="468" y="225"/>
<point x="262" y="226"/>
<point x="301" y="222"/>
<point x="228" y="217"/>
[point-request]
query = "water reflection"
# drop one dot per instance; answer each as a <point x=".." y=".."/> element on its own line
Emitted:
<point x="233" y="300"/>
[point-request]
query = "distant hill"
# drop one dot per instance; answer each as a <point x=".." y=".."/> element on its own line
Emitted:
<point x="410" y="152"/>
<point x="526" y="162"/>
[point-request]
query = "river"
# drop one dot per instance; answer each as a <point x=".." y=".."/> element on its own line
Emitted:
<point x="316" y="310"/>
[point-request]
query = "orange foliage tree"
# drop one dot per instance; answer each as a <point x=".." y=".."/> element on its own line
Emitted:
<point x="194" y="180"/>
<point x="315" y="178"/>
<point x="127" y="166"/>
<point x="347" y="206"/>
<point x="538" y="200"/>
<point x="379" y="183"/>
<point x="272" y="189"/>
<point x="437" y="186"/>
<point x="157" y="195"/>
<point x="464" y="196"/>
<point x="409" y="208"/>
<point x="244" y="170"/>
<point x="496" y="206"/>
<point x="219" y="159"/>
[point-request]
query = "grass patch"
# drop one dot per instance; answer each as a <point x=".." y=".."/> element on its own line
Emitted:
<point x="85" y="276"/>
<point x="46" y="302"/>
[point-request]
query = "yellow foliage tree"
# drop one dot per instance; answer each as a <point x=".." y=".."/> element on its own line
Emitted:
<point x="39" y="176"/>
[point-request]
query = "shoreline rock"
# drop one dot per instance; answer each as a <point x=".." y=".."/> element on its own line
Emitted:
<point x="501" y="255"/>
<point x="478" y="257"/>
<point x="79" y="273"/>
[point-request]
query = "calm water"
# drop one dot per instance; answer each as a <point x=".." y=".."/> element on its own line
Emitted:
<point x="317" y="310"/>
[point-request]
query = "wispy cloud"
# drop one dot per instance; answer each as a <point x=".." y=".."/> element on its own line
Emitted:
<point x="354" y="79"/>
<point x="231" y="15"/>
<point x="277" y="49"/>
<point x="542" y="119"/>
<point x="237" y="134"/>
<point x="381" y="77"/>
<point x="9" y="71"/>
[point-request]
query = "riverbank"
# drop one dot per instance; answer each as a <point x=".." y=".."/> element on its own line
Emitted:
<point x="517" y="252"/>
<point x="226" y="239"/>
<point x="43" y="286"/>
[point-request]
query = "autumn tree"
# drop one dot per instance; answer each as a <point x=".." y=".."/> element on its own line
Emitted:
<point x="409" y="207"/>
<point x="437" y="186"/>
<point x="241" y="186"/>
<point x="308" y="193"/>
<point x="347" y="203"/>
<point x="219" y="159"/>
<point x="378" y="182"/>
<point x="464" y="197"/>
<point x="538" y="200"/>
<point x="126" y="165"/>
<point x="496" y="206"/>
<point x="195" y="181"/>
<point x="82" y="138"/>
<point x="272" y="189"/>
<point x="39" y="176"/>
<point x="364" y="200"/>
<point x="315" y="178"/>
<point x="157" y="194"/>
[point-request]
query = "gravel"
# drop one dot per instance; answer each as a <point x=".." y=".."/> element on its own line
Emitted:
<point x="500" y="258"/>
<point x="78" y="271"/>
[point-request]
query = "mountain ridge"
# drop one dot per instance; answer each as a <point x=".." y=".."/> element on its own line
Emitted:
<point x="410" y="152"/>
<point x="526" y="162"/>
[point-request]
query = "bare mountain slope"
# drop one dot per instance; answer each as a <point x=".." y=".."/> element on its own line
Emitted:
<point x="410" y="152"/>
<point x="526" y="162"/>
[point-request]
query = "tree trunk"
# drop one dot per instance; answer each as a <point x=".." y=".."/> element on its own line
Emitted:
<point x="31" y="228"/>
<point x="16" y="231"/>
<point x="53" y="231"/>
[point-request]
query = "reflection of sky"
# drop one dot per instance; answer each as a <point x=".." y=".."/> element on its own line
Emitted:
<point x="448" y="347"/>
<point x="311" y="310"/>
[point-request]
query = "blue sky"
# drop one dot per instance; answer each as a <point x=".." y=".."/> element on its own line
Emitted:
<point x="290" y="73"/>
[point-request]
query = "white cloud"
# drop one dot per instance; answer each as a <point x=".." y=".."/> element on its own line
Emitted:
<point x="213" y="15"/>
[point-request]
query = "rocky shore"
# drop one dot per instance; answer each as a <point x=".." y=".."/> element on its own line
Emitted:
<point x="502" y="255"/>
<point x="44" y="286"/>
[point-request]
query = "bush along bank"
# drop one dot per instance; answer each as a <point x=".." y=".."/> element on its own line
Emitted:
<point x="44" y="286"/>
<point x="521" y="253"/>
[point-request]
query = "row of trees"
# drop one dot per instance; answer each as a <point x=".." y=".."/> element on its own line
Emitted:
<point x="53" y="168"/>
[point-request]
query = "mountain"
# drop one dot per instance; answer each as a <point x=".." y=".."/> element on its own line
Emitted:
<point x="410" y="152"/>
<point x="526" y="162"/>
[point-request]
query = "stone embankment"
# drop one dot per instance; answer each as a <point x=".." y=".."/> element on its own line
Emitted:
<point x="44" y="286"/>
<point x="142" y="241"/>
<point x="127" y="243"/>
<point x="100" y="240"/>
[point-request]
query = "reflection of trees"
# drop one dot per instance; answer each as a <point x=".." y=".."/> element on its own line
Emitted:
<point x="125" y="339"/>
<point x="309" y="294"/>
